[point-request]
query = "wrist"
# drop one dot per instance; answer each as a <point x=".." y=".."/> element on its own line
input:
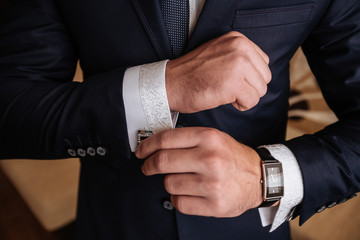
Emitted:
<point x="258" y="188"/>
<point x="170" y="84"/>
<point x="272" y="178"/>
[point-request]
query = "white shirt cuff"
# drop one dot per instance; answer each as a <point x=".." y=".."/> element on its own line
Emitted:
<point x="293" y="188"/>
<point x="145" y="100"/>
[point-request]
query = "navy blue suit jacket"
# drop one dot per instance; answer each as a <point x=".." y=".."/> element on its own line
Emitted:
<point x="43" y="113"/>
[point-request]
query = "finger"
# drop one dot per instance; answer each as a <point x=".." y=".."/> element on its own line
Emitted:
<point x="259" y="59"/>
<point x="263" y="68"/>
<point x="192" y="205"/>
<point x="261" y="53"/>
<point x="255" y="47"/>
<point x="253" y="78"/>
<point x="256" y="79"/>
<point x="169" y="139"/>
<point x="185" y="184"/>
<point x="247" y="97"/>
<point x="173" y="161"/>
<point x="260" y="64"/>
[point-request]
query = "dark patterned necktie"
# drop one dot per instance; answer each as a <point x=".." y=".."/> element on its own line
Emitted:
<point x="176" y="18"/>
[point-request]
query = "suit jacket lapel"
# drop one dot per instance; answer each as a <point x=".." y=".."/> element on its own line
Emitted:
<point x="213" y="16"/>
<point x="151" y="17"/>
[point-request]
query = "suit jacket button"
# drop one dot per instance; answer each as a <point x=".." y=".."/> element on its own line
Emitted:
<point x="168" y="205"/>
<point x="101" y="151"/>
<point x="81" y="152"/>
<point x="91" y="151"/>
<point x="321" y="209"/>
<point x="332" y="204"/>
<point x="71" y="152"/>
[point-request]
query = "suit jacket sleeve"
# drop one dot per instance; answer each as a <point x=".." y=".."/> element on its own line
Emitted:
<point x="42" y="112"/>
<point x="330" y="159"/>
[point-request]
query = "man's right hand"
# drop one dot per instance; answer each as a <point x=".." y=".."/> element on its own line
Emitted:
<point x="228" y="69"/>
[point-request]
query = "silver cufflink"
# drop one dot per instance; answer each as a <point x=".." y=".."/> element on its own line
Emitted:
<point x="143" y="134"/>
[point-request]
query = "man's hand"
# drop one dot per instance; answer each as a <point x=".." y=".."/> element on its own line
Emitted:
<point x="228" y="69"/>
<point x="208" y="173"/>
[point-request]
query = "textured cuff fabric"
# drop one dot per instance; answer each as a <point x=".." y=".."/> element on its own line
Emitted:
<point x="145" y="100"/>
<point x="293" y="188"/>
<point x="153" y="96"/>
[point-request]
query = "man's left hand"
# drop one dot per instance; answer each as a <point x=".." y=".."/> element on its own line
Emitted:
<point x="208" y="173"/>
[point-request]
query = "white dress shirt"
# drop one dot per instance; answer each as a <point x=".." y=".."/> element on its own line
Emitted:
<point x="147" y="108"/>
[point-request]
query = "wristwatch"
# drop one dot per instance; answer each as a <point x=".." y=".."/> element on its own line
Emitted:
<point x="272" y="178"/>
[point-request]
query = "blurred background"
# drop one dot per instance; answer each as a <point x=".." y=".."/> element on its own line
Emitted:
<point x="38" y="198"/>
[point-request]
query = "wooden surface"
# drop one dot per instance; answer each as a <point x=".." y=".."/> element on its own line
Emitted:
<point x="18" y="223"/>
<point x="49" y="188"/>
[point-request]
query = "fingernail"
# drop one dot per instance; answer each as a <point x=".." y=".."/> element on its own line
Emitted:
<point x="143" y="170"/>
<point x="137" y="152"/>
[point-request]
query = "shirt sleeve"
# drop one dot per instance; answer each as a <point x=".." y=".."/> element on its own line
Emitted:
<point x="293" y="188"/>
<point x="145" y="100"/>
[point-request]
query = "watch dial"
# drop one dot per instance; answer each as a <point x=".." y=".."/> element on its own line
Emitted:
<point x="274" y="180"/>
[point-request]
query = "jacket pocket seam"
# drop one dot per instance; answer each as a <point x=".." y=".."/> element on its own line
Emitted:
<point x="271" y="17"/>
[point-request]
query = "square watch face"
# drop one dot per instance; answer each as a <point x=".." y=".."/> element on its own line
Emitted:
<point x="274" y="180"/>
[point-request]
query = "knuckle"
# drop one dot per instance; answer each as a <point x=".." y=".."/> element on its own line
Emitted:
<point x="215" y="187"/>
<point x="165" y="138"/>
<point x="232" y="44"/>
<point x="241" y="59"/>
<point x="145" y="168"/>
<point x="161" y="161"/>
<point x="202" y="183"/>
<point x="212" y="135"/>
<point x="219" y="207"/>
<point x="213" y="162"/>
<point x="244" y="43"/>
<point x="169" y="184"/>
<point x="267" y="59"/>
<point x="179" y="204"/>
<point x="234" y="33"/>
<point x="254" y="101"/>
<point x="263" y="90"/>
<point x="237" y="43"/>
<point x="268" y="77"/>
<point x="251" y="101"/>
